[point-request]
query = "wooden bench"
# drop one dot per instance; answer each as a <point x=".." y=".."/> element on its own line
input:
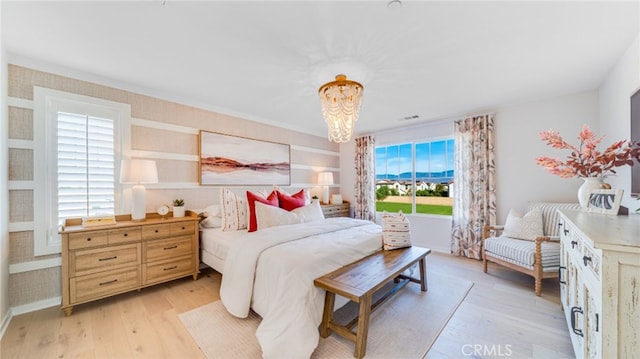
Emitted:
<point x="358" y="282"/>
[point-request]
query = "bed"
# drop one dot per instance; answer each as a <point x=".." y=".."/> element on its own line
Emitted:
<point x="272" y="272"/>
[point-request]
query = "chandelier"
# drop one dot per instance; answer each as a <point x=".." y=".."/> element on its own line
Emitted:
<point x="340" y="100"/>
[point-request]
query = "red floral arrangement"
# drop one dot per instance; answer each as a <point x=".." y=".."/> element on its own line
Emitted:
<point x="585" y="160"/>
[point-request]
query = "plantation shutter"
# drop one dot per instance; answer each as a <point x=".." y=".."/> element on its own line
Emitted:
<point x="86" y="166"/>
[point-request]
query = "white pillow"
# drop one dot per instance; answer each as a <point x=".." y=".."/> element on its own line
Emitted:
<point x="526" y="227"/>
<point x="396" y="232"/>
<point x="271" y="216"/>
<point x="214" y="210"/>
<point x="211" y="222"/>
<point x="234" y="211"/>
<point x="310" y="212"/>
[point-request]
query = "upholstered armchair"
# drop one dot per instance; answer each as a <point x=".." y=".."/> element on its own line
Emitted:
<point x="529" y="243"/>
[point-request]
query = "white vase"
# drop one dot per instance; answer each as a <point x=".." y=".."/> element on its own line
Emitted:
<point x="590" y="184"/>
<point x="178" y="211"/>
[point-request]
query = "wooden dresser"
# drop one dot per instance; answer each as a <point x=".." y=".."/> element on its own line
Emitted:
<point x="99" y="262"/>
<point x="335" y="210"/>
<point x="600" y="283"/>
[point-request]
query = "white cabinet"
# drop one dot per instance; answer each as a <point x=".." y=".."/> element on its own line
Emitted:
<point x="600" y="283"/>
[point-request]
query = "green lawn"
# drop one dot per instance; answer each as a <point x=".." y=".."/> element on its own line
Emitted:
<point x="420" y="208"/>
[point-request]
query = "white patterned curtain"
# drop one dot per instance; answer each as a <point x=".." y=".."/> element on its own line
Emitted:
<point x="474" y="203"/>
<point x="365" y="195"/>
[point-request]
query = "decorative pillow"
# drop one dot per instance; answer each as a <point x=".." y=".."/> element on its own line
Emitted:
<point x="234" y="211"/>
<point x="396" y="232"/>
<point x="307" y="194"/>
<point x="291" y="202"/>
<point x="252" y="198"/>
<point x="310" y="212"/>
<point x="270" y="216"/>
<point x="526" y="227"/>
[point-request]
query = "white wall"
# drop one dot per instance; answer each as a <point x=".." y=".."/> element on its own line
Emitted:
<point x="4" y="207"/>
<point x="517" y="129"/>
<point x="615" y="115"/>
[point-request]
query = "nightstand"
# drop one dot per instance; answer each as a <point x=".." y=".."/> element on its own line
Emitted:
<point x="335" y="210"/>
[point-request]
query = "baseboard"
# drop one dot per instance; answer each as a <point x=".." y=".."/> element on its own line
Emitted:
<point x="5" y="322"/>
<point x="41" y="304"/>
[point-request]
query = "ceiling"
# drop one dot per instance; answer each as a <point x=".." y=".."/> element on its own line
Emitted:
<point x="265" y="60"/>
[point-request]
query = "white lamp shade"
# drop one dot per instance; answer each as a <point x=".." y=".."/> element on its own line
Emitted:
<point x="138" y="172"/>
<point x="325" y="178"/>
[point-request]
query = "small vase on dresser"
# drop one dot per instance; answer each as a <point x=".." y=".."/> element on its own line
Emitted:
<point x="590" y="184"/>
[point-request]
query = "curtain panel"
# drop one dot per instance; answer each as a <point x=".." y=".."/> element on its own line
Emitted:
<point x="474" y="203"/>
<point x="365" y="195"/>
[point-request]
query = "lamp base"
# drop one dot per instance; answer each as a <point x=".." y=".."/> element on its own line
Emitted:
<point x="138" y="203"/>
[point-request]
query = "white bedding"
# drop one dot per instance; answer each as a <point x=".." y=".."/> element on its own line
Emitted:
<point x="272" y="271"/>
<point x="215" y="244"/>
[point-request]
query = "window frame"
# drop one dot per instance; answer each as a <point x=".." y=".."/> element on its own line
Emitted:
<point x="413" y="144"/>
<point x="47" y="102"/>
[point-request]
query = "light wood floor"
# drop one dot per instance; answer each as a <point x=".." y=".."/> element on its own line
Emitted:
<point x="500" y="317"/>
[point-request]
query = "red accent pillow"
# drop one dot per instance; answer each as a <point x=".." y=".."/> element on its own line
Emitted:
<point x="290" y="202"/>
<point x="272" y="200"/>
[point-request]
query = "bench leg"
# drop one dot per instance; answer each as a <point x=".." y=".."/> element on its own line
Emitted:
<point x="423" y="274"/>
<point x="327" y="314"/>
<point x="363" y="326"/>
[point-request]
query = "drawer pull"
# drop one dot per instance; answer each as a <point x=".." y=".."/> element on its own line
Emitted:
<point x="126" y="234"/>
<point x="560" y="275"/>
<point x="170" y="268"/>
<point x="89" y="239"/>
<point x="574" y="311"/>
<point x="107" y="259"/>
<point x="157" y="231"/>
<point x="565" y="230"/>
<point x="172" y="247"/>
<point x="574" y="244"/>
<point x="183" y="228"/>
<point x="586" y="260"/>
<point x="109" y="282"/>
<point x="597" y="322"/>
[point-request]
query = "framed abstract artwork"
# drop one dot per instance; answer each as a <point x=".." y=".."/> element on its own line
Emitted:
<point x="237" y="161"/>
<point x="605" y="201"/>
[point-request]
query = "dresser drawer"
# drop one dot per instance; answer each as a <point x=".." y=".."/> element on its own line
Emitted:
<point x="156" y="231"/>
<point x="163" y="270"/>
<point x="103" y="284"/>
<point x="167" y="248"/>
<point x="100" y="259"/>
<point x="87" y="239"/>
<point x="124" y="235"/>
<point x="591" y="260"/>
<point x="182" y="228"/>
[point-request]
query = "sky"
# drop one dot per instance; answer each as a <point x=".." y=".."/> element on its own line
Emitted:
<point x="431" y="157"/>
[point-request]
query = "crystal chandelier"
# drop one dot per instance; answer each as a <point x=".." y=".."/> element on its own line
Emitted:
<point x="340" y="101"/>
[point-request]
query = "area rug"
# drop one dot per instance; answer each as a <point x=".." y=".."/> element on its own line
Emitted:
<point x="406" y="326"/>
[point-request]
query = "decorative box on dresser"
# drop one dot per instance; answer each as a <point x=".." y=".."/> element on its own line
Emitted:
<point x="101" y="261"/>
<point x="335" y="210"/>
<point x="600" y="283"/>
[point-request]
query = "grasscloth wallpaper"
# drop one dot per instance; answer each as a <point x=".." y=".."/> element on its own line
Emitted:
<point x="175" y="153"/>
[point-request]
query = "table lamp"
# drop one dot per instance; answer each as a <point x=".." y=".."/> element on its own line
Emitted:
<point x="138" y="172"/>
<point x="325" y="179"/>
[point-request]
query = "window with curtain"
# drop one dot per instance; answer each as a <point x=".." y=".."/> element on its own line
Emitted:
<point x="415" y="177"/>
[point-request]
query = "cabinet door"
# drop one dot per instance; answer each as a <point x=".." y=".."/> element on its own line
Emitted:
<point x="592" y="321"/>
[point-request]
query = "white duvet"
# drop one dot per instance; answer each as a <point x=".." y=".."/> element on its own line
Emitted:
<point x="272" y="271"/>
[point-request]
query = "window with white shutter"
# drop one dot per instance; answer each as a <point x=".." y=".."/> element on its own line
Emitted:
<point x="79" y="143"/>
<point x="86" y="166"/>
